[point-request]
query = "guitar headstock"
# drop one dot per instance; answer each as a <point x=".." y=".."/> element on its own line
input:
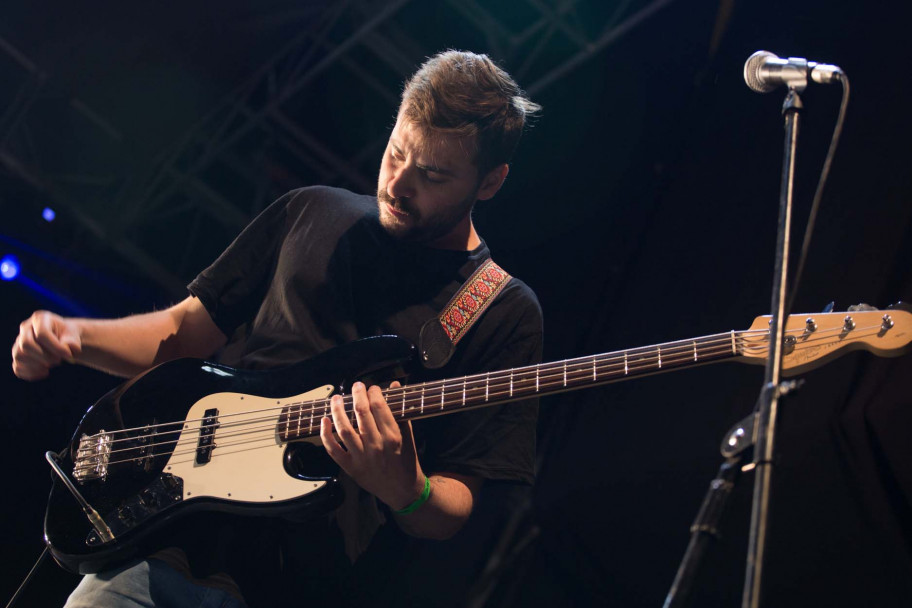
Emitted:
<point x="814" y="338"/>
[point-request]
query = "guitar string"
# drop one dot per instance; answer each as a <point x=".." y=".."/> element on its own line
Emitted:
<point x="310" y="426"/>
<point x="683" y="345"/>
<point x="584" y="365"/>
<point x="433" y="385"/>
<point x="477" y="380"/>
<point x="500" y="389"/>
<point x="581" y="372"/>
<point x="266" y="432"/>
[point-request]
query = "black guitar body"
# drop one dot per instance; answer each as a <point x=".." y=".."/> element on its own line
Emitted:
<point x="143" y="477"/>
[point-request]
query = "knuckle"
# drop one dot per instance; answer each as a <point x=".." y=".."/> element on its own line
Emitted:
<point x="378" y="402"/>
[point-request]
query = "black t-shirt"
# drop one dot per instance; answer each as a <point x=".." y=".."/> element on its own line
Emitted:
<point x="316" y="270"/>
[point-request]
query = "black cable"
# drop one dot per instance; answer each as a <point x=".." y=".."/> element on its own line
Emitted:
<point x="824" y="174"/>
<point x="31" y="573"/>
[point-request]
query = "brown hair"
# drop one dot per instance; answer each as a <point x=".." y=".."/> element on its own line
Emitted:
<point x="467" y="95"/>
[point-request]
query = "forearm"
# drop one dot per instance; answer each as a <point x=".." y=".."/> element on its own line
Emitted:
<point x="125" y="347"/>
<point x="130" y="345"/>
<point x="447" y="509"/>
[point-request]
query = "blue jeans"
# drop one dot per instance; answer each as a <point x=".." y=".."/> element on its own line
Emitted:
<point x="145" y="584"/>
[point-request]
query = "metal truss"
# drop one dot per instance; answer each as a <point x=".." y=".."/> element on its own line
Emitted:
<point x="316" y="112"/>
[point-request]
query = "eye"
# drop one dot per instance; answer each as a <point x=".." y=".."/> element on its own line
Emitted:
<point x="433" y="177"/>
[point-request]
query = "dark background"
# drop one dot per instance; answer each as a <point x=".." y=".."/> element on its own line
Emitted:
<point x="641" y="207"/>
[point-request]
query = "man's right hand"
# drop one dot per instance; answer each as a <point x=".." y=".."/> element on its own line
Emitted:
<point x="45" y="340"/>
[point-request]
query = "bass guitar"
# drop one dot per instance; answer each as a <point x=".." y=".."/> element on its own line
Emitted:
<point x="191" y="435"/>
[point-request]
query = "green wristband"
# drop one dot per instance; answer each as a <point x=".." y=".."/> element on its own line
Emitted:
<point x="425" y="494"/>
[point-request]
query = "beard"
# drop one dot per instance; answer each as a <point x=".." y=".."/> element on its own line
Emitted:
<point x="417" y="227"/>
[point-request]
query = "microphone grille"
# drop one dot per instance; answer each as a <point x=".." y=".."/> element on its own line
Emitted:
<point x="752" y="72"/>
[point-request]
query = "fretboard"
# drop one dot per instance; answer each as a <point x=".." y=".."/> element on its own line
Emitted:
<point x="301" y="420"/>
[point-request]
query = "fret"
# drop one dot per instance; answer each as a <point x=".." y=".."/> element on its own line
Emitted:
<point x="659" y="349"/>
<point x="734" y="350"/>
<point x="565" y="373"/>
<point x="594" y="375"/>
<point x="511" y="382"/>
<point x="312" y="409"/>
<point x="464" y="378"/>
<point x="537" y="367"/>
<point x="422" y="399"/>
<point x="487" y="385"/>
<point x="695" y="349"/>
<point x="442" y="393"/>
<point x="403" y="403"/>
<point x="626" y="367"/>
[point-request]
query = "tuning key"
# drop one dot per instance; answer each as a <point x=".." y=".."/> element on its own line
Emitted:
<point x="887" y="322"/>
<point x="849" y="324"/>
<point x="810" y="325"/>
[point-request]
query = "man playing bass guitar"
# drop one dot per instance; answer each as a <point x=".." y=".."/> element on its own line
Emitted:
<point x="319" y="268"/>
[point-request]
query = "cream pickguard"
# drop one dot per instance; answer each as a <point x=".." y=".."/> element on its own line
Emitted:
<point x="247" y="462"/>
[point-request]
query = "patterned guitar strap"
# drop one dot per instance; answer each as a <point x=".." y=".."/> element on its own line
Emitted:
<point x="358" y="516"/>
<point x="439" y="336"/>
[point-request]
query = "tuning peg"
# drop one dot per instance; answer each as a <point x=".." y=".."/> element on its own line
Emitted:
<point x="829" y="307"/>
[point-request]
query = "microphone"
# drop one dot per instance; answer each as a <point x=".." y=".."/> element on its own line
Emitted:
<point x="763" y="72"/>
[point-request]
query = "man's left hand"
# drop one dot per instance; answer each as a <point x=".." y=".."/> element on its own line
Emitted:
<point x="379" y="455"/>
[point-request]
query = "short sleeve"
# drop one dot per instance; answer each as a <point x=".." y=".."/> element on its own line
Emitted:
<point x="232" y="288"/>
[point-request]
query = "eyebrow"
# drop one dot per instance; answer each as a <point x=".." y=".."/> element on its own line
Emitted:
<point x="424" y="166"/>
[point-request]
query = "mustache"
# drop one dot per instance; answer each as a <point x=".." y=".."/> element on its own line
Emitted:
<point x="398" y="203"/>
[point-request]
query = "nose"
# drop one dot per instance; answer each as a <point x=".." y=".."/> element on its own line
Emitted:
<point x="402" y="182"/>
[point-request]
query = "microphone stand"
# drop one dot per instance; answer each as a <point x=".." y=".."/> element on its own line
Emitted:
<point x="758" y="429"/>
<point x="765" y="415"/>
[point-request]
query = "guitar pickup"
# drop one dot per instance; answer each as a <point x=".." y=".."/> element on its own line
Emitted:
<point x="207" y="436"/>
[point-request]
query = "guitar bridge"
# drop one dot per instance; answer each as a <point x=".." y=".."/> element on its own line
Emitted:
<point x="92" y="457"/>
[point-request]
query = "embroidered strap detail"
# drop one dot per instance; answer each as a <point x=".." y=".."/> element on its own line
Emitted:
<point x="472" y="299"/>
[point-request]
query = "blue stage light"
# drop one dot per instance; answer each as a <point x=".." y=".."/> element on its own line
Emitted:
<point x="48" y="214"/>
<point x="9" y="268"/>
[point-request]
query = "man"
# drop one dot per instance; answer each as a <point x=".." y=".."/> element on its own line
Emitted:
<point x="322" y="267"/>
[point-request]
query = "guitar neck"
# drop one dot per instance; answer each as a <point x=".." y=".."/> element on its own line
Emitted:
<point x="439" y="397"/>
<point x="492" y="388"/>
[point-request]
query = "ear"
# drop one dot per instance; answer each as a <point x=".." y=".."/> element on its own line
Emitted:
<point x="492" y="182"/>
